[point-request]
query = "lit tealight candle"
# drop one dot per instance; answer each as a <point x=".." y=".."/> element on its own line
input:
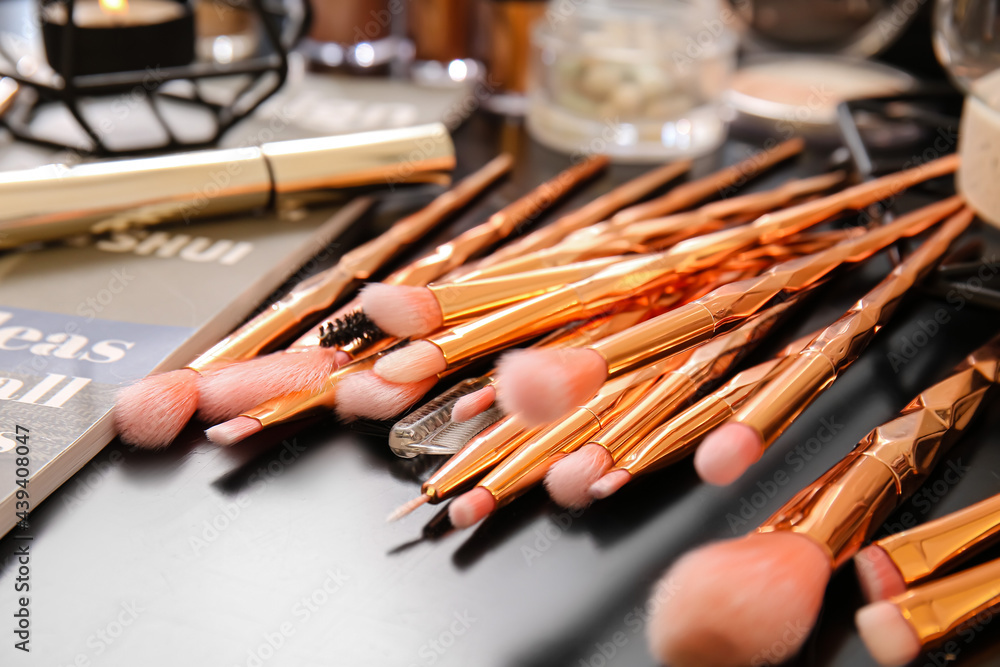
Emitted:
<point x="116" y="13"/>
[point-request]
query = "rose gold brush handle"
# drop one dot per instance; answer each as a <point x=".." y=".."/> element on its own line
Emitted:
<point x="451" y="255"/>
<point x="931" y="548"/>
<point x="606" y="239"/>
<point x="805" y="376"/>
<point x="597" y="210"/>
<point x="938" y="609"/>
<point x="846" y="505"/>
<point x="677" y="438"/>
<point x="687" y="194"/>
<point x="324" y="289"/>
<point x="731" y="303"/>
<point x="700" y="366"/>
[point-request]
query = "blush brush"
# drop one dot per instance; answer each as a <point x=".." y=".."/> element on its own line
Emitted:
<point x="736" y="599"/>
<point x="152" y="412"/>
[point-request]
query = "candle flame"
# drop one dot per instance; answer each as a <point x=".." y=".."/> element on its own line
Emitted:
<point x="114" y="6"/>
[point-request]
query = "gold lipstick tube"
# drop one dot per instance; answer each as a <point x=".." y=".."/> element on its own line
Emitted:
<point x="731" y="303"/>
<point x="802" y="378"/>
<point x="57" y="201"/>
<point x="842" y="508"/>
<point x="529" y="463"/>
<point x="678" y="437"/>
<point x="324" y="289"/>
<point x="698" y="367"/>
<point x="527" y="318"/>
<point x="591" y="213"/>
<point x="936" y="610"/>
<point x="687" y="194"/>
<point x="451" y="255"/>
<point x="931" y="548"/>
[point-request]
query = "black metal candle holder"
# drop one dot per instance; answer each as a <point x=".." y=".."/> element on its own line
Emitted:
<point x="78" y="74"/>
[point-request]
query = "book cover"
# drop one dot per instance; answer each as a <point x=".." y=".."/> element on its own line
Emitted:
<point x="78" y="322"/>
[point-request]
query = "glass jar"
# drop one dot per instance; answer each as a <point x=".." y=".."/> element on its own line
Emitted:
<point x="639" y="80"/>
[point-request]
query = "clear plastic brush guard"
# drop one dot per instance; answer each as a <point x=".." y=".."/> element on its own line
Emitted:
<point x="429" y="429"/>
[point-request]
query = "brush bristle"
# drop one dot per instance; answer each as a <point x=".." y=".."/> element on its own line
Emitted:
<point x="233" y="431"/>
<point x="471" y="507"/>
<point x="727" y="452"/>
<point x="878" y="574"/>
<point x="417" y="361"/>
<point x="886" y="634"/>
<point x="354" y="327"/>
<point x="610" y="483"/>
<point x="543" y="385"/>
<point x="569" y="480"/>
<point x="153" y="411"/>
<point x="748" y="601"/>
<point x="473" y="404"/>
<point x="231" y="390"/>
<point x="365" y="394"/>
<point x="407" y="507"/>
<point x="400" y="310"/>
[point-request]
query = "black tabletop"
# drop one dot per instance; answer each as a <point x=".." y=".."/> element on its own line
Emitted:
<point x="276" y="552"/>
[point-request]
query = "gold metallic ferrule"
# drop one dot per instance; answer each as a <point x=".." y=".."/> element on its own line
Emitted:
<point x="688" y="194"/>
<point x="56" y="201"/>
<point x="936" y="610"/>
<point x="801" y="379"/>
<point x="931" y="548"/>
<point x="842" y="508"/>
<point x="461" y="301"/>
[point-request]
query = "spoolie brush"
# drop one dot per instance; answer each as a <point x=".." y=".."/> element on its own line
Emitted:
<point x="353" y="329"/>
<point x="735" y="600"/>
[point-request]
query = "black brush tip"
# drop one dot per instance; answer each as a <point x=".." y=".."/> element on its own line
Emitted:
<point x="351" y="328"/>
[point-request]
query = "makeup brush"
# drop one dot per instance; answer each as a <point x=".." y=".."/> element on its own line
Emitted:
<point x="404" y="311"/>
<point x="889" y="566"/>
<point x="676" y="439"/>
<point x="568" y="481"/>
<point x="581" y="371"/>
<point x="346" y="324"/>
<point x="236" y="388"/>
<point x="686" y="194"/>
<point x="528" y="464"/>
<point x="152" y="412"/>
<point x="897" y="629"/>
<point x="737" y="599"/>
<point x="728" y="451"/>
<point x="659" y="233"/>
<point x="595" y="211"/>
<point x="505" y="327"/>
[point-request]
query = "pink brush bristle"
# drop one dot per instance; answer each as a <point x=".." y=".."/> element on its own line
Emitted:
<point x="233" y="431"/>
<point x="473" y="404"/>
<point x="153" y="411"/>
<point x="878" y="574"/>
<point x="471" y="507"/>
<point x="610" y="483"/>
<point x="886" y="634"/>
<point x="400" y="310"/>
<point x="407" y="507"/>
<point x="228" y="391"/>
<point x="540" y="386"/>
<point x="748" y="601"/>
<point x="727" y="453"/>
<point x="570" y="479"/>
<point x="417" y="361"/>
<point x="365" y="394"/>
